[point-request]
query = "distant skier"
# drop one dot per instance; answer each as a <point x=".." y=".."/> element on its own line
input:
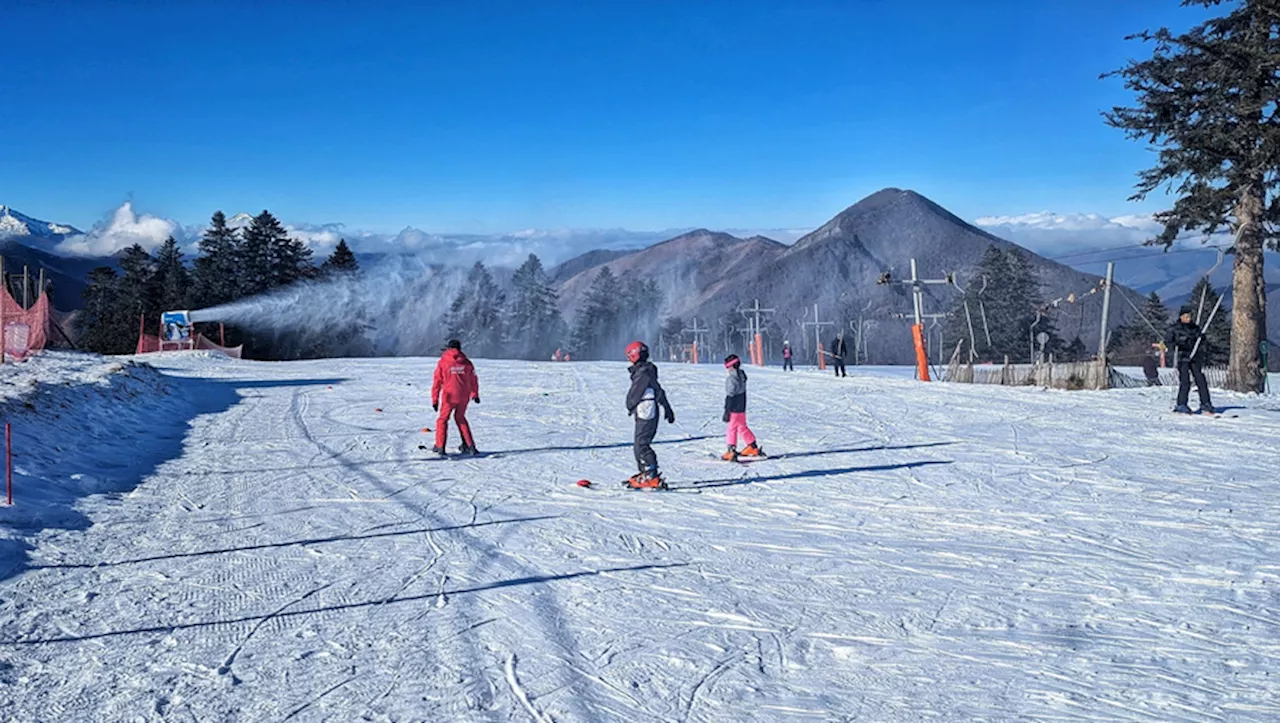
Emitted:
<point x="1182" y="338"/>
<point x="452" y="388"/>
<point x="838" y="352"/>
<point x="643" y="400"/>
<point x="735" y="413"/>
<point x="1151" y="367"/>
<point x="787" y="366"/>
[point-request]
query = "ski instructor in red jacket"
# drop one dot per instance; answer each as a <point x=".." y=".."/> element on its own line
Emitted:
<point x="453" y="387"/>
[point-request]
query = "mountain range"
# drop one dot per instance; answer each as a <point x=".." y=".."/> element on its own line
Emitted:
<point x="711" y="273"/>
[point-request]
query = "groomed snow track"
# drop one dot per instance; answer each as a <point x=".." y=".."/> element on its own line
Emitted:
<point x="285" y="551"/>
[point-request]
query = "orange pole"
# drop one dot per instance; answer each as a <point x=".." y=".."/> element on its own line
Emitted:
<point x="922" y="357"/>
<point x="695" y="352"/>
<point x="822" y="357"/>
<point x="759" y="351"/>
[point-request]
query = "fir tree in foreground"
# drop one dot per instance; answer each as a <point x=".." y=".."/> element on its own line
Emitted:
<point x="1206" y="100"/>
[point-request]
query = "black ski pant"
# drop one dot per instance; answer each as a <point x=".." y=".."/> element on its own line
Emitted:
<point x="1187" y="370"/>
<point x="837" y="362"/>
<point x="787" y="366"/>
<point x="646" y="430"/>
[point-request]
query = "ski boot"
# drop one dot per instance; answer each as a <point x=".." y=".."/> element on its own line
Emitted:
<point x="731" y="455"/>
<point x="752" y="450"/>
<point x="468" y="450"/>
<point x="1206" y="409"/>
<point x="1182" y="409"/>
<point x="438" y="450"/>
<point x="647" y="480"/>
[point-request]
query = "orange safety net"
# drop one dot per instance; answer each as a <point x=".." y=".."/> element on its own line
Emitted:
<point x="150" y="344"/>
<point x="25" y="330"/>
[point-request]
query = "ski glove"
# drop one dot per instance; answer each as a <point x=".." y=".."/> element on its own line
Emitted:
<point x="725" y="418"/>
<point x="671" y="416"/>
<point x="476" y="399"/>
<point x="435" y="406"/>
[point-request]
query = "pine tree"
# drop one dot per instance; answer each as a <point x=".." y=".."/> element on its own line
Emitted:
<point x="171" y="283"/>
<point x="1075" y="351"/>
<point x="1010" y="305"/>
<point x="597" y="319"/>
<point x="215" y="279"/>
<point x="639" y="311"/>
<point x="475" y="316"/>
<point x="101" y="325"/>
<point x="136" y="295"/>
<point x="290" y="261"/>
<point x="1129" y="343"/>
<point x="341" y="261"/>
<point x="1205" y="99"/>
<point x="260" y="259"/>
<point x="533" y="320"/>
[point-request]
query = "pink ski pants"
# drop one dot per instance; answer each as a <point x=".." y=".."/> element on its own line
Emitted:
<point x="738" y="430"/>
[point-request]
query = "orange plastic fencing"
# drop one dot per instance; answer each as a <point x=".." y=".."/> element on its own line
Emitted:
<point x="25" y="331"/>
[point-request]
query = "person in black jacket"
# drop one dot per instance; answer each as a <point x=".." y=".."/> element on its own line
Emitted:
<point x="838" y="352"/>
<point x="643" y="400"/>
<point x="1186" y="341"/>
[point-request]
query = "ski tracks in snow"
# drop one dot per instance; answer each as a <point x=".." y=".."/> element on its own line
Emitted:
<point x="910" y="551"/>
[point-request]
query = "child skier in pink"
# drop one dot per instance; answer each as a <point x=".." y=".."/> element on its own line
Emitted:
<point x="735" y="413"/>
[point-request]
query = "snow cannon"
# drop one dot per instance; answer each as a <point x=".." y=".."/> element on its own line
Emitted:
<point x="175" y="331"/>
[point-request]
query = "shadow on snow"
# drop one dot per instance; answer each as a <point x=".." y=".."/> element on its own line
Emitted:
<point x="105" y="447"/>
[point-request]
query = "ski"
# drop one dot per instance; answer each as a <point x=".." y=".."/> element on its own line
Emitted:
<point x="741" y="459"/>
<point x="460" y="455"/>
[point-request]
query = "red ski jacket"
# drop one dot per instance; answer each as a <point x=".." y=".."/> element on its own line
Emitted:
<point x="455" y="379"/>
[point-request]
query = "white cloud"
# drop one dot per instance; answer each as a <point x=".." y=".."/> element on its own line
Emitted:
<point x="1052" y="234"/>
<point x="122" y="229"/>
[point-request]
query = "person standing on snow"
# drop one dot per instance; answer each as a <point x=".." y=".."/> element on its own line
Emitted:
<point x="452" y="388"/>
<point x="838" y="352"/>
<point x="643" y="400"/>
<point x="787" y="366"/>
<point x="1184" y="337"/>
<point x="735" y="413"/>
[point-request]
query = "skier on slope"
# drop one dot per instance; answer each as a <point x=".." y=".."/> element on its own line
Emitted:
<point x="786" y="357"/>
<point x="452" y="388"/>
<point x="643" y="400"/>
<point x="838" y="351"/>
<point x="1183" y="338"/>
<point x="735" y="413"/>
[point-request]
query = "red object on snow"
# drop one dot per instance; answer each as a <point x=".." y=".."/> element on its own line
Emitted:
<point x="377" y="409"/>
<point x="584" y="483"/>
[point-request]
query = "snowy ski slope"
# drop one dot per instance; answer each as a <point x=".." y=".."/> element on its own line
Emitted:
<point x="282" y="550"/>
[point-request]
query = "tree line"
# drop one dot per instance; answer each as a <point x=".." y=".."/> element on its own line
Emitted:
<point x="232" y="264"/>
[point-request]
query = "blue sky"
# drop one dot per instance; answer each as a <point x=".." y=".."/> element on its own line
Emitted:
<point x="484" y="116"/>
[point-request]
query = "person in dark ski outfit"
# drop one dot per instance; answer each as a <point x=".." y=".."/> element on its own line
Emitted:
<point x="453" y="387"/>
<point x="838" y="352"/>
<point x="787" y="366"/>
<point x="735" y="413"/>
<point x="644" y="399"/>
<point x="1182" y="339"/>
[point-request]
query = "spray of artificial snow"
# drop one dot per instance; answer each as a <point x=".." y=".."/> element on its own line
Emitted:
<point x="398" y="304"/>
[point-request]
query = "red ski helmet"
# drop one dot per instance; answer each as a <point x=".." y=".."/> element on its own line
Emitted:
<point x="636" y="351"/>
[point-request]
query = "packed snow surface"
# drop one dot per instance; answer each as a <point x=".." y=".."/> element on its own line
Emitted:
<point x="268" y="542"/>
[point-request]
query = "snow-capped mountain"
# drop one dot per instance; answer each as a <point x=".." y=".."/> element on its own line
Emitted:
<point x="32" y="232"/>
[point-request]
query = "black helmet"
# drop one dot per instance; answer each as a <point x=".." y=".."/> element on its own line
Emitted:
<point x="454" y="344"/>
